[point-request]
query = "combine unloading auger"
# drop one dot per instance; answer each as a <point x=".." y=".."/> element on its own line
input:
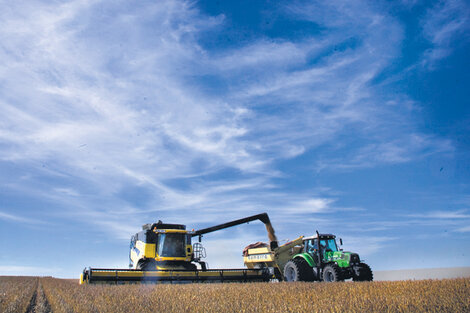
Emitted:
<point x="164" y="253"/>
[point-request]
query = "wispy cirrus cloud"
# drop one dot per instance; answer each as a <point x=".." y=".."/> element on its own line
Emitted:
<point x="405" y="149"/>
<point x="441" y="25"/>
<point x="444" y="220"/>
<point x="465" y="229"/>
<point x="369" y="245"/>
<point x="104" y="99"/>
<point x="458" y="214"/>
<point x="19" y="219"/>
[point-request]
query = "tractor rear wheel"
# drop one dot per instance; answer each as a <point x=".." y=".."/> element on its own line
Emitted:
<point x="362" y="272"/>
<point x="331" y="273"/>
<point x="298" y="270"/>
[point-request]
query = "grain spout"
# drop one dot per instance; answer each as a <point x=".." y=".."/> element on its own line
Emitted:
<point x="271" y="233"/>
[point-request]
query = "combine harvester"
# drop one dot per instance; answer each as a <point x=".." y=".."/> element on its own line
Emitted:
<point x="163" y="253"/>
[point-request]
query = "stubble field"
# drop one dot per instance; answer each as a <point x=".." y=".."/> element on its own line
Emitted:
<point x="32" y="294"/>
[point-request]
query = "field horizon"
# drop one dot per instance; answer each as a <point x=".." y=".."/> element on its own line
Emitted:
<point x="422" y="273"/>
<point x="386" y="275"/>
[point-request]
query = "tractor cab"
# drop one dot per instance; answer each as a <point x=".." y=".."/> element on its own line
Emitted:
<point x="323" y="245"/>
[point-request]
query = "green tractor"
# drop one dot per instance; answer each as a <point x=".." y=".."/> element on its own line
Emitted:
<point x="321" y="259"/>
<point x="314" y="258"/>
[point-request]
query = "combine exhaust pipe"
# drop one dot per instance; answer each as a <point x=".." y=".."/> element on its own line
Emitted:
<point x="320" y="261"/>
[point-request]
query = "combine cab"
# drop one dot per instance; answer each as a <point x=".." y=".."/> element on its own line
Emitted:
<point x="165" y="253"/>
<point x="315" y="258"/>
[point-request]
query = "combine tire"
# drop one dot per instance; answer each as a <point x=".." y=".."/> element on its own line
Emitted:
<point x="298" y="270"/>
<point x="146" y="266"/>
<point x="362" y="272"/>
<point x="331" y="273"/>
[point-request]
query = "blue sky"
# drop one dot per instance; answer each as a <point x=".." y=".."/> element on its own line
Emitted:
<point x="350" y="117"/>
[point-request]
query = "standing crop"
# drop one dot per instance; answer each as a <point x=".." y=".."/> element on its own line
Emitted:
<point x="22" y="294"/>
<point x="406" y="296"/>
<point x="16" y="293"/>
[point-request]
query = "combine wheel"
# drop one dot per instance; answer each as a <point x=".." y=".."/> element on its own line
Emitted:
<point x="362" y="272"/>
<point x="331" y="273"/>
<point x="298" y="270"/>
<point x="147" y="265"/>
<point x="191" y="267"/>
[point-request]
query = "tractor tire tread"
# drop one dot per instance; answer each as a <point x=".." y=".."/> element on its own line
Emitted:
<point x="303" y="271"/>
<point x="365" y="273"/>
<point x="335" y="271"/>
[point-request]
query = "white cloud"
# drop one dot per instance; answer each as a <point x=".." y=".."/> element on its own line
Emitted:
<point x="464" y="229"/>
<point x="263" y="55"/>
<point x="441" y="25"/>
<point x="367" y="246"/>
<point x="18" y="218"/>
<point x="459" y="214"/>
<point x="405" y="149"/>
<point x="315" y="205"/>
<point x="96" y="103"/>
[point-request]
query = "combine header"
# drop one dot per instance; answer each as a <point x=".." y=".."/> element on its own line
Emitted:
<point x="117" y="276"/>
<point x="164" y="253"/>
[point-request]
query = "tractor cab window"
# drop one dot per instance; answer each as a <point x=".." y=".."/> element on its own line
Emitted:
<point x="172" y="245"/>
<point x="328" y="245"/>
<point x="311" y="246"/>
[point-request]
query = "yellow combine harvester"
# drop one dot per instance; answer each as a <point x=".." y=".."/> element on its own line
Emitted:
<point x="164" y="253"/>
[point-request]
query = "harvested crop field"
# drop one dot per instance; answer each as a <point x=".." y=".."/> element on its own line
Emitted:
<point x="29" y="294"/>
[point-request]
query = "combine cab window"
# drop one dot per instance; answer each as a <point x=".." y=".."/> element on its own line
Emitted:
<point x="328" y="244"/>
<point x="172" y="245"/>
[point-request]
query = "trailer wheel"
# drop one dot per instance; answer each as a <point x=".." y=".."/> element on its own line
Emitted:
<point x="277" y="274"/>
<point x="362" y="272"/>
<point x="331" y="273"/>
<point x="298" y="270"/>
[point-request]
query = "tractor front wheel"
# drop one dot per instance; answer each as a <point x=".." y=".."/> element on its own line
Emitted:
<point x="362" y="272"/>
<point x="298" y="270"/>
<point x="331" y="273"/>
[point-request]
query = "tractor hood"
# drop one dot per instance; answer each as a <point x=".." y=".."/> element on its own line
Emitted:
<point x="342" y="258"/>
